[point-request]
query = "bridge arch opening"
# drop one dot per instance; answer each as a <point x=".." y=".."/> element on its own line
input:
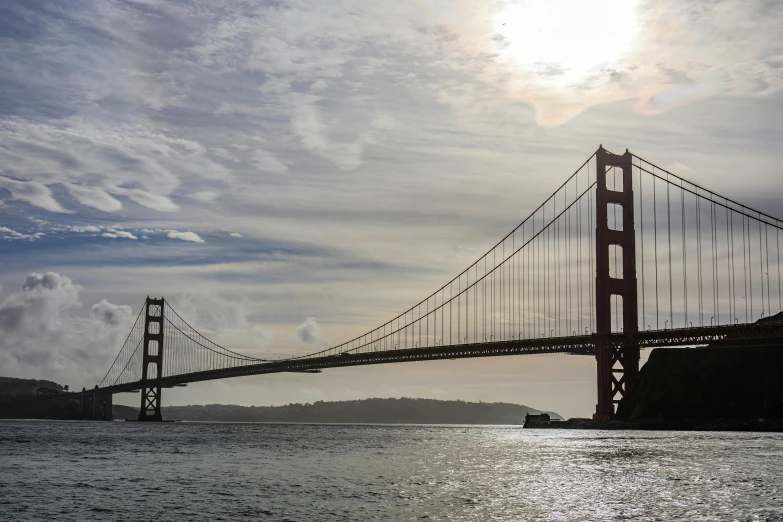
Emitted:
<point x="617" y="313"/>
<point x="614" y="216"/>
<point x="614" y="179"/>
<point x="615" y="261"/>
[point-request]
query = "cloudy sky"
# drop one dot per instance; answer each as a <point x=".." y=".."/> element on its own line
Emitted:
<point x="293" y="173"/>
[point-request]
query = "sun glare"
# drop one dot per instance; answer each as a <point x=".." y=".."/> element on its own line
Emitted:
<point x="564" y="41"/>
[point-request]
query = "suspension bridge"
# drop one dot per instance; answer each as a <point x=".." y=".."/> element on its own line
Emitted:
<point x="624" y="255"/>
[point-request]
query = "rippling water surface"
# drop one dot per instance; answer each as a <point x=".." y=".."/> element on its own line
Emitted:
<point x="192" y="471"/>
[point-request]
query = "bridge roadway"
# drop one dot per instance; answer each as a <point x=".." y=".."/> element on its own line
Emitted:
<point x="576" y="344"/>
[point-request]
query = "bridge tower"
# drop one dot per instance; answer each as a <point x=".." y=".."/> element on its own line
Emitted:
<point x="618" y="367"/>
<point x="152" y="360"/>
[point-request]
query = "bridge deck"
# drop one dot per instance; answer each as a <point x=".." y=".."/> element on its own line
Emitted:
<point x="579" y="345"/>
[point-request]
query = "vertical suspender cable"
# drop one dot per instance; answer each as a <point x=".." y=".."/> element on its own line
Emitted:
<point x="512" y="288"/>
<point x="761" y="272"/>
<point x="655" y="242"/>
<point x="684" y="255"/>
<point x="750" y="270"/>
<point x="733" y="316"/>
<point x="556" y="244"/>
<point x="780" y="295"/>
<point x="641" y="226"/>
<point x="520" y="261"/>
<point x="547" y="274"/>
<point x="579" y="259"/>
<point x="699" y="257"/>
<point x="502" y="294"/>
<point x="766" y="243"/>
<point x="591" y="277"/>
<point x="728" y="266"/>
<point x="558" y="277"/>
<point x="713" y="250"/>
<point x="569" y="292"/>
<point x="744" y="268"/>
<point x="669" y="233"/>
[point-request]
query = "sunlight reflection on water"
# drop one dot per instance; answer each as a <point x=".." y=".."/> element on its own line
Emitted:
<point x="187" y="471"/>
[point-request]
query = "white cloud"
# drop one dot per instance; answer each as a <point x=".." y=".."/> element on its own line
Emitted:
<point x="205" y="196"/>
<point x="118" y="234"/>
<point x="314" y="134"/>
<point x="310" y="333"/>
<point x="41" y="336"/>
<point x="235" y="234"/>
<point x="267" y="161"/>
<point x="158" y="202"/>
<point x="145" y="165"/>
<point x="318" y="85"/>
<point x="88" y="228"/>
<point x="225" y="321"/>
<point x="13" y="234"/>
<point x="94" y="197"/>
<point x="33" y="192"/>
<point x="185" y="236"/>
<point x="110" y="314"/>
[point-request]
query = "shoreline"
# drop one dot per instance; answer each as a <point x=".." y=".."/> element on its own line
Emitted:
<point x="695" y="424"/>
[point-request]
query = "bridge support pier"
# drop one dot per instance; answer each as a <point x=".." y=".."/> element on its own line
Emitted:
<point x="85" y="400"/>
<point x="101" y="405"/>
<point x="152" y="361"/>
<point x="95" y="405"/>
<point x="618" y="366"/>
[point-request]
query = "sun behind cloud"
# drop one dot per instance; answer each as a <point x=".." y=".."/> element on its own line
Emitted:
<point x="563" y="42"/>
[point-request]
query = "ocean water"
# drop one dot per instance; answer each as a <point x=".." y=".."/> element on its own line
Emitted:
<point x="76" y="471"/>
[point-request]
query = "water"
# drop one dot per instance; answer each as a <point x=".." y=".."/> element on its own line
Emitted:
<point x="75" y="471"/>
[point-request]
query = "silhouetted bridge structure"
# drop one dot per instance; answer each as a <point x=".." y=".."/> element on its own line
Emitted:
<point x="624" y="255"/>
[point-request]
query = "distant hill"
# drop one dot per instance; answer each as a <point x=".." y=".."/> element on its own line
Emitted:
<point x="12" y="386"/>
<point x="391" y="411"/>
